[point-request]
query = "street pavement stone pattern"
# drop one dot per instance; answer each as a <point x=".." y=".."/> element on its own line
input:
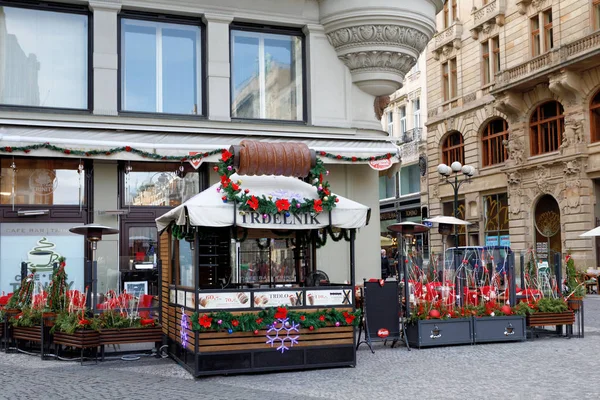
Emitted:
<point x="541" y="369"/>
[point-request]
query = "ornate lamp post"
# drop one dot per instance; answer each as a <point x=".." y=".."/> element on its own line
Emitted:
<point x="456" y="168"/>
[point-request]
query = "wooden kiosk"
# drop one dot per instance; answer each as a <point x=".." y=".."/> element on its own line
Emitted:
<point x="241" y="291"/>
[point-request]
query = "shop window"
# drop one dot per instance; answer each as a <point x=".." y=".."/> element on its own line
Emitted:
<point x="546" y="128"/>
<point x="494" y="152"/>
<point x="160" y="67"/>
<point x="182" y="273"/>
<point x="267" y="74"/>
<point x="448" y="210"/>
<point x="596" y="13"/>
<point x="453" y="149"/>
<point x="595" y="118"/>
<point x="410" y="180"/>
<point x="42" y="181"/>
<point x="44" y="57"/>
<point x="142" y="247"/>
<point x="495" y="211"/>
<point x="158" y="184"/>
<point x="449" y="79"/>
<point x="266" y="261"/>
<point x="387" y="187"/>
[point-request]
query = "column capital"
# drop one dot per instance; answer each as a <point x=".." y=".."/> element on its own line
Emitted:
<point x="217" y="18"/>
<point x="105" y="5"/>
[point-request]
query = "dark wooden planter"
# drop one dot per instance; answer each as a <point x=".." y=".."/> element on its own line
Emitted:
<point x="550" y="319"/>
<point x="130" y="335"/>
<point x="80" y="339"/>
<point x="575" y="303"/>
<point x="49" y="318"/>
<point x="437" y="332"/>
<point x="31" y="333"/>
<point x="498" y="329"/>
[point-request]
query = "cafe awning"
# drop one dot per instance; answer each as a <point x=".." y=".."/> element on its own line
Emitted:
<point x="182" y="143"/>
<point x="209" y="210"/>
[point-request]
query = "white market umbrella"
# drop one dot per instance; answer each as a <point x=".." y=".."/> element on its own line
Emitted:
<point x="591" y="233"/>
<point x="447" y="220"/>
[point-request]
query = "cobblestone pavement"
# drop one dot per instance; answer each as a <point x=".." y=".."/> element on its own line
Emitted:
<point x="540" y="369"/>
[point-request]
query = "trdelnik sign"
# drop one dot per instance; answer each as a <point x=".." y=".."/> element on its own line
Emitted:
<point x="258" y="220"/>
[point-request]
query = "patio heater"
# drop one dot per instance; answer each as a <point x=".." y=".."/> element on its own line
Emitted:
<point x="94" y="234"/>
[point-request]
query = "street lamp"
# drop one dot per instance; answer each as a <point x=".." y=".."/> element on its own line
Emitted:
<point x="446" y="172"/>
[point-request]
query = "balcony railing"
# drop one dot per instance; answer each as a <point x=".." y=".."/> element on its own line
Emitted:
<point x="412" y="135"/>
<point x="409" y="149"/>
<point x="491" y="13"/>
<point x="550" y="60"/>
<point x="448" y="38"/>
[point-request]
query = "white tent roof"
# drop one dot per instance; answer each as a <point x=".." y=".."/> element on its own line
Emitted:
<point x="447" y="220"/>
<point x="591" y="233"/>
<point x="208" y="209"/>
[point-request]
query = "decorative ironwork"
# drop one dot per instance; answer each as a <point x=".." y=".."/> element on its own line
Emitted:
<point x="548" y="223"/>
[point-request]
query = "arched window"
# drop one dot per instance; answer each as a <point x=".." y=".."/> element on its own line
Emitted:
<point x="453" y="149"/>
<point x="491" y="139"/>
<point x="546" y="128"/>
<point x="595" y="118"/>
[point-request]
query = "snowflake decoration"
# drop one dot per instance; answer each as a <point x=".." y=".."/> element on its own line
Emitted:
<point x="286" y="194"/>
<point x="184" y="327"/>
<point x="286" y="327"/>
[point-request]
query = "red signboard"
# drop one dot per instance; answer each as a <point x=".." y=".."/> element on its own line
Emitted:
<point x="380" y="165"/>
<point x="195" y="162"/>
<point x="383" y="333"/>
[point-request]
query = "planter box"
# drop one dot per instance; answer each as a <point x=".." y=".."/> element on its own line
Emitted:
<point x="498" y="329"/>
<point x="437" y="332"/>
<point x="33" y="333"/>
<point x="130" y="335"/>
<point x="1" y="329"/>
<point x="550" y="319"/>
<point x="80" y="339"/>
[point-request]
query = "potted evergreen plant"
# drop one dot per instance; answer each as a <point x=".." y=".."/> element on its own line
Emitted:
<point x="574" y="291"/>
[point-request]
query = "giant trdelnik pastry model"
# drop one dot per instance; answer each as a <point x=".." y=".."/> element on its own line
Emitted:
<point x="261" y="158"/>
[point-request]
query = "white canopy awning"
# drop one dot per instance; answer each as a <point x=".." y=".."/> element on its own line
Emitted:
<point x="591" y="233"/>
<point x="208" y="209"/>
<point x="180" y="143"/>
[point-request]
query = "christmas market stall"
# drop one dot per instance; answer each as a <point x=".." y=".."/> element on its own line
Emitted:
<point x="241" y="288"/>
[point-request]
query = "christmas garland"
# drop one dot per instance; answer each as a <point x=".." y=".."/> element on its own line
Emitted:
<point x="109" y="152"/>
<point x="253" y="322"/>
<point x="155" y="156"/>
<point x="247" y="202"/>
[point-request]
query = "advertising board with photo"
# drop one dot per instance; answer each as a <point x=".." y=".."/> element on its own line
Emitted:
<point x="286" y="298"/>
<point x="223" y="300"/>
<point x="40" y="246"/>
<point x="329" y="297"/>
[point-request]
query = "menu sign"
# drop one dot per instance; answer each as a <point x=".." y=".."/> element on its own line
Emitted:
<point x="223" y="300"/>
<point x="277" y="299"/>
<point x="329" y="297"/>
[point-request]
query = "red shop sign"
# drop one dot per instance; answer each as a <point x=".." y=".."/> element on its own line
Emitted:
<point x="383" y="333"/>
<point x="380" y="165"/>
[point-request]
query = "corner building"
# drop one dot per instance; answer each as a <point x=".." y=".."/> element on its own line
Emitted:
<point x="102" y="103"/>
<point x="514" y="90"/>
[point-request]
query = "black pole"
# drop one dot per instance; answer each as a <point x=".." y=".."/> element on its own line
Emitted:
<point x="23" y="271"/>
<point x="522" y="261"/>
<point x="512" y="294"/>
<point x="352" y="257"/>
<point x="455" y="187"/>
<point x="456" y="258"/>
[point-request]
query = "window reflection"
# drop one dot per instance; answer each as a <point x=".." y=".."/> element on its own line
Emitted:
<point x="267" y="76"/>
<point x="42" y="181"/>
<point x="163" y="185"/>
<point x="142" y="247"/>
<point x="266" y="261"/>
<point x="44" y="58"/>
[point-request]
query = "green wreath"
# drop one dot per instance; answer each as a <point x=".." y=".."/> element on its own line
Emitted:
<point x="247" y="202"/>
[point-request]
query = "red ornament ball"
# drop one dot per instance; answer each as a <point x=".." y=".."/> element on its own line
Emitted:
<point x="434" y="313"/>
<point x="506" y="309"/>
<point x="215" y="168"/>
<point x="311" y="328"/>
<point x="256" y="331"/>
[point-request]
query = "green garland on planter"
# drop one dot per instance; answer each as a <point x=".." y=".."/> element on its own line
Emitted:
<point x="253" y="322"/>
<point x="247" y="202"/>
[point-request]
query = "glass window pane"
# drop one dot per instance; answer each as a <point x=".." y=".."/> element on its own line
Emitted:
<point x="138" y="53"/>
<point x="43" y="58"/>
<point x="410" y="180"/>
<point x="159" y="185"/>
<point x="142" y="247"/>
<point x="160" y="64"/>
<point x="179" y="70"/>
<point x="42" y="181"/>
<point x="267" y="76"/>
<point x="186" y="270"/>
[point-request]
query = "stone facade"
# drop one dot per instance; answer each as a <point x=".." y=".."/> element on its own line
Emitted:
<point x="564" y="69"/>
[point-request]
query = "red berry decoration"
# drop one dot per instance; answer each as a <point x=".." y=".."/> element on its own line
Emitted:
<point x="434" y="313"/>
<point x="506" y="309"/>
<point x="256" y="331"/>
<point x="311" y="328"/>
